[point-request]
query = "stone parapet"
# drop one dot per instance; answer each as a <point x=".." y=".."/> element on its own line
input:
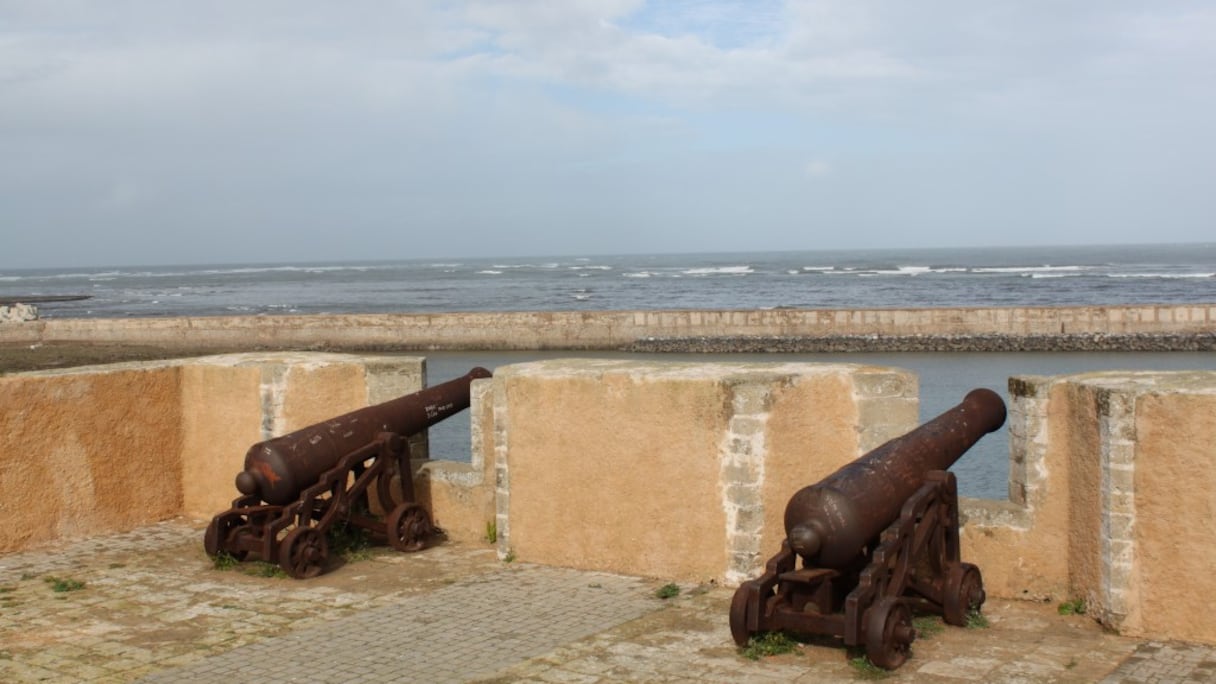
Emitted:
<point x="100" y="449"/>
<point x="678" y="470"/>
<point x="1111" y="500"/>
<point x="672" y="470"/>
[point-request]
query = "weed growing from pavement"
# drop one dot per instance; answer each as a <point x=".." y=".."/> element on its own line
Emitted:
<point x="864" y="669"/>
<point x="510" y="557"/>
<point x="768" y="644"/>
<point x="61" y="585"/>
<point x="224" y="561"/>
<point x="1073" y="607"/>
<point x="667" y="591"/>
<point x="927" y="626"/>
<point x="350" y="542"/>
<point x="491" y="536"/>
<point x="264" y="569"/>
<point x="976" y="620"/>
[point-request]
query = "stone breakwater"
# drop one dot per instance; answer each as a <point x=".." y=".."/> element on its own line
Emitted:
<point x="1094" y="342"/>
<point x="1125" y="328"/>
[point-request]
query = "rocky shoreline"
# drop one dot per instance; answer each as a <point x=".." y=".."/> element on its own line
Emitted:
<point x="1087" y="342"/>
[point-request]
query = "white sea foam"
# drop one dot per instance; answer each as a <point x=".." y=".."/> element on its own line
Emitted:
<point x="904" y="270"/>
<point x="719" y="270"/>
<point x="489" y="272"/>
<point x="1027" y="269"/>
<point x="638" y="274"/>
<point x="1162" y="275"/>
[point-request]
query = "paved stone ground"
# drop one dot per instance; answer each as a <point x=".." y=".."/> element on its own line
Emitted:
<point x="153" y="608"/>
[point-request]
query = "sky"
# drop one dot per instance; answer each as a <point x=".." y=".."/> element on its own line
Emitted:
<point x="179" y="132"/>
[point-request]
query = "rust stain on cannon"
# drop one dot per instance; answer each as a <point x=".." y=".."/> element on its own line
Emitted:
<point x="874" y="541"/>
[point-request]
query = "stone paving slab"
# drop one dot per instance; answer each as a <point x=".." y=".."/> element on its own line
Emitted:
<point x="470" y="629"/>
<point x="1157" y="661"/>
<point x="151" y="606"/>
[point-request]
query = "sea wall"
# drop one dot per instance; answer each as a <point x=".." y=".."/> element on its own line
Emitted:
<point x="1138" y="327"/>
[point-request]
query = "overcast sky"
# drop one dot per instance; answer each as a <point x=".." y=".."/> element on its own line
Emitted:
<point x="168" y="132"/>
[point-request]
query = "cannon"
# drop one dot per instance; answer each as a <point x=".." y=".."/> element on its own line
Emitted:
<point x="297" y="487"/>
<point x="877" y="540"/>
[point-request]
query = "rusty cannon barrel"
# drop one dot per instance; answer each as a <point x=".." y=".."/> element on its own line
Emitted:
<point x="829" y="523"/>
<point x="277" y="470"/>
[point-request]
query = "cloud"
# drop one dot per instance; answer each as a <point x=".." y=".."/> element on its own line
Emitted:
<point x="818" y="168"/>
<point x="301" y="124"/>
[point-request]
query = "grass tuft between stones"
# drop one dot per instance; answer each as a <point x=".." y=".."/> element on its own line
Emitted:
<point x="668" y="591"/>
<point x="769" y="644"/>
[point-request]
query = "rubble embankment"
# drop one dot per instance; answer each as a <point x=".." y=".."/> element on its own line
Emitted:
<point x="1090" y="342"/>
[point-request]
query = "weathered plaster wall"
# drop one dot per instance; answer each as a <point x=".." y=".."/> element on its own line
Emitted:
<point x="1113" y="500"/>
<point x="98" y="449"/>
<point x="232" y="401"/>
<point x="84" y="453"/>
<point x="678" y="470"/>
<point x="460" y="496"/>
<point x="1172" y="552"/>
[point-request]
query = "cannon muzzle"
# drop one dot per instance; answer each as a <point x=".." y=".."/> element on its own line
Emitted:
<point x="829" y="523"/>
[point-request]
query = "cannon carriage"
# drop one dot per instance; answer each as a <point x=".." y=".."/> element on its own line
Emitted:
<point x="874" y="542"/>
<point x="297" y="487"/>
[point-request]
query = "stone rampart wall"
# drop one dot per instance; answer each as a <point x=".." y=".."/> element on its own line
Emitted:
<point x="1112" y="475"/>
<point x="777" y="329"/>
<point x="678" y="471"/>
<point x="100" y="449"/>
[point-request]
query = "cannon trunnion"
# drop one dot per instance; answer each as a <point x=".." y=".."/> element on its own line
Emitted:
<point x="878" y="539"/>
<point x="296" y="487"/>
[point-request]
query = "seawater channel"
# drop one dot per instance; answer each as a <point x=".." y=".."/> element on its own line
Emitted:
<point x="945" y="378"/>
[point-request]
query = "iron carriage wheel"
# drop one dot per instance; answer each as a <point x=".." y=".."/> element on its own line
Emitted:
<point x="740" y="607"/>
<point x="215" y="539"/>
<point x="303" y="552"/>
<point x="409" y="527"/>
<point x="964" y="593"/>
<point x="889" y="633"/>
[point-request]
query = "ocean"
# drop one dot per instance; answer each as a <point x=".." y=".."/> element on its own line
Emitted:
<point x="878" y="278"/>
<point x="830" y="279"/>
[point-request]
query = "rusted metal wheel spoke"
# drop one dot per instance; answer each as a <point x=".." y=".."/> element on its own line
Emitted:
<point x="217" y="538"/>
<point x="964" y="593"/>
<point x="409" y="527"/>
<point x="303" y="552"/>
<point x="889" y="633"/>
<point x="739" y="607"/>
